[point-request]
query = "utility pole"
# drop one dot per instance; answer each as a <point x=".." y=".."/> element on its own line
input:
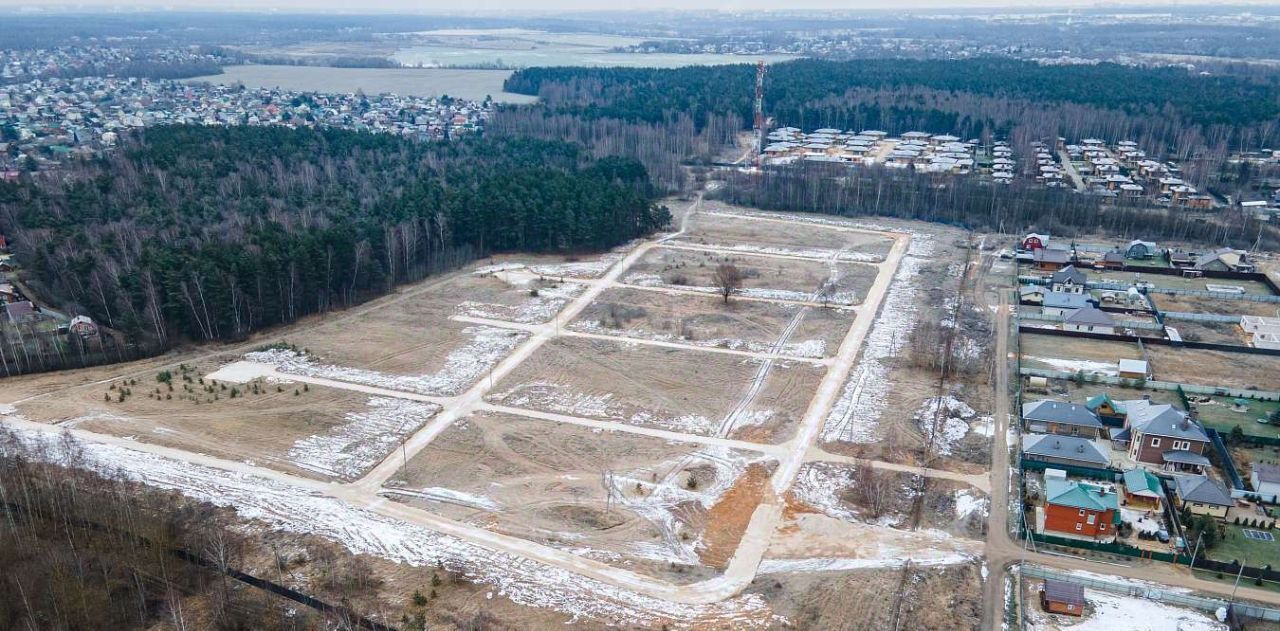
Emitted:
<point x="759" y="111"/>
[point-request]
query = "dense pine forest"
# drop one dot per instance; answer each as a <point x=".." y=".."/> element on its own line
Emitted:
<point x="210" y="233"/>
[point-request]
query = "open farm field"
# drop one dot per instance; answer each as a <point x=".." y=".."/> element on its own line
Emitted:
<point x="671" y="389"/>
<point x="798" y="239"/>
<point x="630" y="500"/>
<point x="749" y="325"/>
<point x="762" y="277"/>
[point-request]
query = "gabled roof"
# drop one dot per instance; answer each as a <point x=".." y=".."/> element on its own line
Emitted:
<point x="1063" y="592"/>
<point x="1027" y="290"/>
<point x="1058" y="412"/>
<point x="1162" y="420"/>
<point x="1065" y="448"/>
<point x="1090" y="315"/>
<point x="1198" y="488"/>
<point x="1069" y="274"/>
<point x="1267" y="472"/>
<point x="1142" y="482"/>
<point x="1098" y="400"/>
<point x="1150" y="246"/>
<point x="1066" y="300"/>
<point x="1046" y="255"/>
<point x="1079" y="495"/>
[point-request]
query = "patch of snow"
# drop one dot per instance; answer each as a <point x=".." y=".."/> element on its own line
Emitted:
<point x="529" y="310"/>
<point x="349" y="449"/>
<point x="968" y="503"/>
<point x="774" y="566"/>
<point x="855" y="417"/>
<point x="944" y="422"/>
<point x="814" y="348"/>
<point x="447" y="496"/>
<point x="1113" y="611"/>
<point x="1074" y="365"/>
<point x="842" y="255"/>
<point x="288" y="508"/>
<point x="463" y="366"/>
<point x="560" y="399"/>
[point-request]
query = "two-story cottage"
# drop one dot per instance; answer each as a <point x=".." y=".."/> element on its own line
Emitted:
<point x="1068" y="280"/>
<point x="1163" y="436"/>
<point x="1079" y="508"/>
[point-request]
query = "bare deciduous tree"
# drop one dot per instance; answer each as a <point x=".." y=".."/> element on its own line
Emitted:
<point x="729" y="279"/>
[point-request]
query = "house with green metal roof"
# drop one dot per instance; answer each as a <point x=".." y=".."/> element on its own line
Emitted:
<point x="1108" y="410"/>
<point x="1142" y="490"/>
<point x="1078" y="508"/>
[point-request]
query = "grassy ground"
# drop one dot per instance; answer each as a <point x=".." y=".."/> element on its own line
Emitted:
<point x="1230" y="580"/>
<point x="1222" y="416"/>
<point x="1238" y="547"/>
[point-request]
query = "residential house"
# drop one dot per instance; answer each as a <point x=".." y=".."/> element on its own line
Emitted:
<point x="1089" y="320"/>
<point x="21" y="312"/>
<point x="1080" y="509"/>
<point x="1055" y="417"/>
<point x="1061" y="597"/>
<point x="1031" y="294"/>
<point x="1106" y="409"/>
<point x="1142" y="490"/>
<point x="1050" y="259"/>
<point x="1162" y="436"/>
<point x="1202" y="495"/>
<point x="1056" y="303"/>
<point x="83" y="326"/>
<point x="1068" y="280"/>
<point x="1140" y="250"/>
<point x="1065" y="450"/>
<point x="1265" y="480"/>
<point x="1113" y="260"/>
<point x="1225" y="260"/>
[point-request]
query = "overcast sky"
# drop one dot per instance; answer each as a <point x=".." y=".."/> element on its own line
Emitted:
<point x="472" y="6"/>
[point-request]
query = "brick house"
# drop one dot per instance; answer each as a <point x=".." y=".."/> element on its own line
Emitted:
<point x="1067" y="419"/>
<point x="1079" y="509"/>
<point x="1162" y="436"/>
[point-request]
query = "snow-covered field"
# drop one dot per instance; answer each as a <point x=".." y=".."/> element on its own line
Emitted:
<point x="561" y="399"/>
<point x="1075" y="365"/>
<point x="281" y="506"/>
<point x="1112" y="612"/>
<point x="363" y="440"/>
<point x="951" y="419"/>
<point x="855" y="417"/>
<point x="463" y="366"/>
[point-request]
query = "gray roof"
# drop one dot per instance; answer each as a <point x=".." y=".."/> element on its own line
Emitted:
<point x="1058" y="412"/>
<point x="1198" y="488"/>
<point x="1047" y="255"/>
<point x="1180" y="456"/>
<point x="1267" y="472"/>
<point x="1069" y="273"/>
<point x="1162" y="420"/>
<point x="1066" y="300"/>
<point x="1063" y="592"/>
<point x="1089" y="315"/>
<point x="1027" y="290"/>
<point x="1065" y="448"/>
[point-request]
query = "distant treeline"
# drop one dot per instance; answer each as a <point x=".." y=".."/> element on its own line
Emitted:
<point x="838" y="190"/>
<point x="1169" y="107"/>
<point x="211" y="233"/>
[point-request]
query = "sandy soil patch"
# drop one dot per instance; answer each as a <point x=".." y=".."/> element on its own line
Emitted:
<point x="707" y="321"/>
<point x="1214" y="368"/>
<point x="763" y="277"/>
<point x="805" y="239"/>
<point x="673" y="389"/>
<point x="625" y="499"/>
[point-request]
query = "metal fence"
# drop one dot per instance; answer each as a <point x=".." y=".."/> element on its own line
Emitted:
<point x="1119" y="324"/>
<point x="1201" y="317"/>
<point x="1151" y="592"/>
<point x="1221" y="295"/>
<point x="1261" y="395"/>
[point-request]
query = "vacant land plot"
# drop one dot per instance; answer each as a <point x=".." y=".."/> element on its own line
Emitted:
<point x="1178" y="282"/>
<point x="315" y="431"/>
<point x="804" y="239"/>
<point x="1068" y="354"/>
<point x="1213" y="332"/>
<point x="1200" y="304"/>
<point x="763" y="277"/>
<point x="1214" y="368"/>
<point x="623" y="498"/>
<point x="707" y="321"/>
<point x="680" y="390"/>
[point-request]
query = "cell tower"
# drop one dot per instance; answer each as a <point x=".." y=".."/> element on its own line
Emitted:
<point x="760" y="122"/>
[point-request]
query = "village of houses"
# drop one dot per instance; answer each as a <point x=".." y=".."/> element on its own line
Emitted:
<point x="1149" y="400"/>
